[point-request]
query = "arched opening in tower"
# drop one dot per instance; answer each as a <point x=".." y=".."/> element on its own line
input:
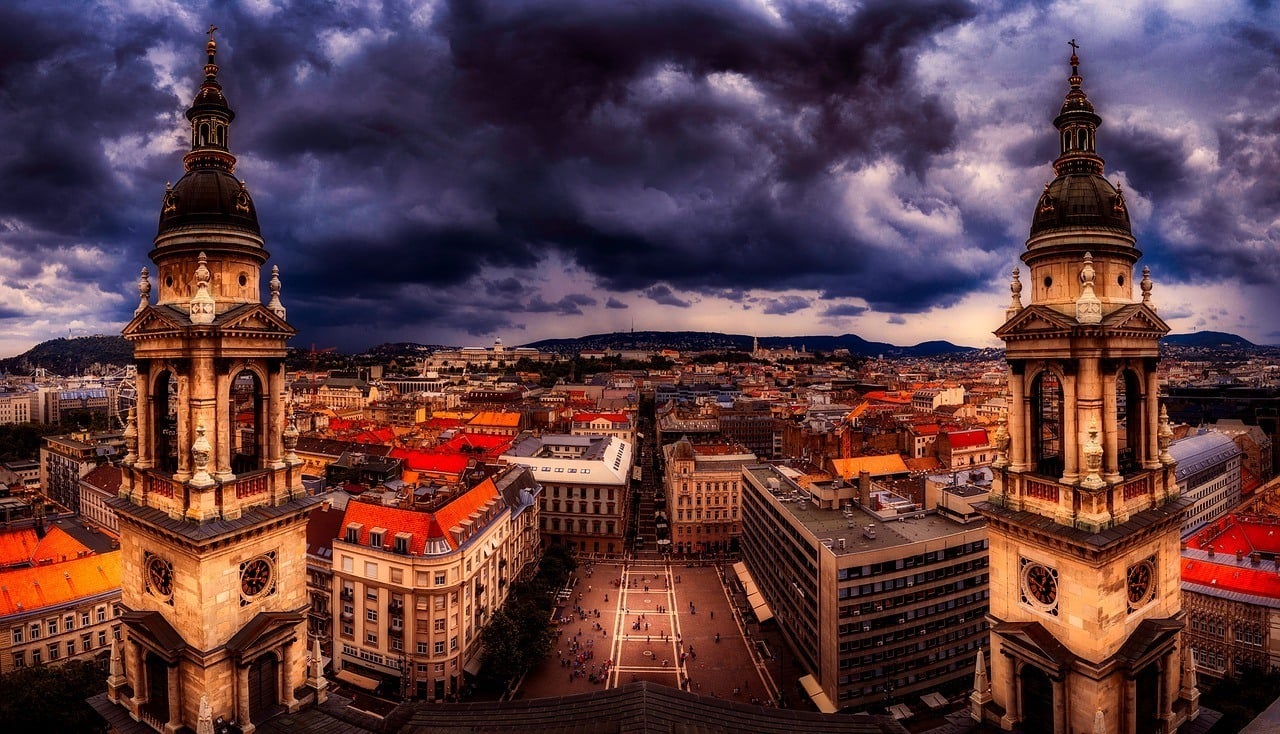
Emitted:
<point x="1046" y="424"/>
<point x="1128" y="422"/>
<point x="248" y="421"/>
<point x="164" y="421"/>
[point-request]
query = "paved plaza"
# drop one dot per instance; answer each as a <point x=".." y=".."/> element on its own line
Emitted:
<point x="650" y="622"/>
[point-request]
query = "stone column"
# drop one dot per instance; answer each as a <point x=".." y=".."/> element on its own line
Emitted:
<point x="185" y="429"/>
<point x="224" y="427"/>
<point x="1110" y="430"/>
<point x="1060" y="705"/>
<point x="1017" y="419"/>
<point x="1012" y="707"/>
<point x="289" y="654"/>
<point x="1152" y="420"/>
<point x="146" y="433"/>
<point x="1131" y="704"/>
<point x="242" y="698"/>
<point x="1070" y="447"/>
<point x="275" y="417"/>
<point x="175" y="699"/>
<point x="135" y="672"/>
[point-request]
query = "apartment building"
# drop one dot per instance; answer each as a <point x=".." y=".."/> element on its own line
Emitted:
<point x="15" y="406"/>
<point x="414" y="587"/>
<point x="53" y="612"/>
<point x="876" y="610"/>
<point x="704" y="498"/>
<point x="64" y="460"/>
<point x="586" y="487"/>
<point x="617" y="425"/>
<point x="1208" y="472"/>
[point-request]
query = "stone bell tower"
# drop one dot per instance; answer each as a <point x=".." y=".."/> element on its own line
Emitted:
<point x="1084" y="514"/>
<point x="211" y="505"/>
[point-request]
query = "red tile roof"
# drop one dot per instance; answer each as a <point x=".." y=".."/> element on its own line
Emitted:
<point x="105" y="477"/>
<point x="16" y="546"/>
<point x="39" y="587"/>
<point x="57" y="545"/>
<point x="589" y="417"/>
<point x="422" y="526"/>
<point x="967" y="439"/>
<point x="1230" y="577"/>
<point x="427" y="461"/>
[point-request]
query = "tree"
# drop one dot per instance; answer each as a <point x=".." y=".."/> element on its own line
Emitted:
<point x="52" y="698"/>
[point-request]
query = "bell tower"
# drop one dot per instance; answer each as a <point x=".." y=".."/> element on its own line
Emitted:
<point x="1084" y="513"/>
<point x="211" y="505"/>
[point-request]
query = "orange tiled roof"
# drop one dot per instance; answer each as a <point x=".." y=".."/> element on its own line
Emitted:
<point x="496" y="418"/>
<point x="876" y="465"/>
<point x="424" y="461"/>
<point x="57" y="545"/>
<point x="589" y="417"/>
<point x="422" y="526"/>
<point x="16" y="546"/>
<point x="39" y="587"/>
<point x="924" y="463"/>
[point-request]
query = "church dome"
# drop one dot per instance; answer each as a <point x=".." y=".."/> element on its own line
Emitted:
<point x="1080" y="200"/>
<point x="208" y="196"/>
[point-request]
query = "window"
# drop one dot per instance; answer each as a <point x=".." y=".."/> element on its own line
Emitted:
<point x="371" y="614"/>
<point x="371" y="593"/>
<point x="19" y="660"/>
<point x="453" y="643"/>
<point x="375" y="539"/>
<point x="102" y="638"/>
<point x="101" y="613"/>
<point x="397" y="575"/>
<point x="52" y="624"/>
<point x="86" y="643"/>
<point x="53" y="651"/>
<point x="69" y="622"/>
<point x="353" y="535"/>
<point x="84" y="619"/>
<point x="17" y="635"/>
<point x="440" y="667"/>
<point x="35" y="657"/>
<point x="440" y="579"/>
<point x="371" y="638"/>
<point x="347" y="630"/>
<point x="439" y="625"/>
<point x="439" y="648"/>
<point x="422" y="648"/>
<point x="370" y="569"/>
<point x="71" y="648"/>
<point x="420" y="578"/>
<point x="402" y="543"/>
<point x="348" y="564"/>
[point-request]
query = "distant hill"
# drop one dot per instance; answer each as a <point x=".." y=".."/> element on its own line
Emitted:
<point x="694" y="341"/>
<point x="71" y="356"/>
<point x="1206" y="339"/>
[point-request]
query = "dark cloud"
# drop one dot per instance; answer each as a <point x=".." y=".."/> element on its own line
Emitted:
<point x="841" y="310"/>
<point x="784" y="305"/>
<point x="663" y="294"/>
<point x="614" y="303"/>
<point x="567" y="306"/>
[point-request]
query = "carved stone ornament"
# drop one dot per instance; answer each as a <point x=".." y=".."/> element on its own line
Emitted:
<point x="1015" y="287"/>
<point x="275" y="305"/>
<point x="1093" y="460"/>
<point x="1164" y="437"/>
<point x="1146" y="288"/>
<point x="1046" y="201"/>
<point x="144" y="292"/>
<point x="1002" y="440"/>
<point x="204" y="721"/>
<point x="242" y="199"/>
<point x="1088" y="307"/>
<point x="200" y="453"/>
<point x="289" y="438"/>
<point x="130" y="438"/>
<point x="202" y="304"/>
<point x="170" y="199"/>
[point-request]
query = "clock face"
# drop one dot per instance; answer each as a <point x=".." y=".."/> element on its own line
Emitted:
<point x="1141" y="583"/>
<point x="160" y="576"/>
<point x="255" y="577"/>
<point x="1040" y="584"/>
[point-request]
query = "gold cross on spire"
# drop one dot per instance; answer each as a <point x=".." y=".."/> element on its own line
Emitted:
<point x="212" y="28"/>
<point x="1072" y="43"/>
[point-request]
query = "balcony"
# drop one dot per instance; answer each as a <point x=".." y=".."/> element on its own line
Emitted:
<point x="348" y="594"/>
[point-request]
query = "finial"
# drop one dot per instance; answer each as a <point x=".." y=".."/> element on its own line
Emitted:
<point x="1088" y="307"/>
<point x="1146" y="288"/>
<point x="211" y="48"/>
<point x="1164" y="438"/>
<point x="275" y="305"/>
<point x="202" y="304"/>
<point x="1015" y="287"/>
<point x="144" y="292"/>
<point x="1093" y="460"/>
<point x="201" y="451"/>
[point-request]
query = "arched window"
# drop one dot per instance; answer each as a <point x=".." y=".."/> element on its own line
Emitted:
<point x="248" y="422"/>
<point x="164" y="422"/>
<point x="204" y="134"/>
<point x="1046" y="424"/>
<point x="1081" y="137"/>
<point x="1128" y="422"/>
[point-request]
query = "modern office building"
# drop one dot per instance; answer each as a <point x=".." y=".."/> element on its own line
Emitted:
<point x="1208" y="474"/>
<point x="878" y="607"/>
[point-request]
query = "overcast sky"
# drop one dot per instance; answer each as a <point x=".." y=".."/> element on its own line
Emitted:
<point x="455" y="172"/>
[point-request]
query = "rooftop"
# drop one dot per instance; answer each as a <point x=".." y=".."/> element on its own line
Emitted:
<point x="24" y="590"/>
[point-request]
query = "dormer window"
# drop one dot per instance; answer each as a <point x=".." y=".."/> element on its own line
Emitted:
<point x="353" y="532"/>
<point x="375" y="537"/>
<point x="402" y="543"/>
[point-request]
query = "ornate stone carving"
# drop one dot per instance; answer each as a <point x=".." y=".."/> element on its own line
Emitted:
<point x="202" y="304"/>
<point x="204" y="723"/>
<point x="1164" y="437"/>
<point x="170" y="199"/>
<point x="1146" y="288"/>
<point x="1015" y="304"/>
<point x="242" y="199"/>
<point x="130" y="438"/>
<point x="1088" y="307"/>
<point x="144" y="292"/>
<point x="200" y="453"/>
<point x="290" y="439"/>
<point x="1002" y="440"/>
<point x="275" y="305"/>
<point x="1093" y="460"/>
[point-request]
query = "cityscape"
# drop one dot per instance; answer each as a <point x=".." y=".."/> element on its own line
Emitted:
<point x="1053" y="510"/>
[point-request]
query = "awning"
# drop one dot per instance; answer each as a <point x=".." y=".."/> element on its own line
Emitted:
<point x="934" y="700"/>
<point x="474" y="664"/>
<point x="760" y="607"/>
<point x="749" y="586"/>
<point x="357" y="680"/>
<point x="820" y="699"/>
<point x="900" y="711"/>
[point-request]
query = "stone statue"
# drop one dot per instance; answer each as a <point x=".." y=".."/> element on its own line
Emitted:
<point x="144" y="292"/>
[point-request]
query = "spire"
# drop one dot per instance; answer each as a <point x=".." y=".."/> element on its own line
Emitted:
<point x="210" y="119"/>
<point x="1077" y="125"/>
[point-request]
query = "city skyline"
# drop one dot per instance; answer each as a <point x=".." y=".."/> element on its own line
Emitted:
<point x="456" y="173"/>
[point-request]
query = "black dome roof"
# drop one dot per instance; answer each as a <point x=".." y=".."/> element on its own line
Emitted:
<point x="208" y="196"/>
<point x="1080" y="200"/>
